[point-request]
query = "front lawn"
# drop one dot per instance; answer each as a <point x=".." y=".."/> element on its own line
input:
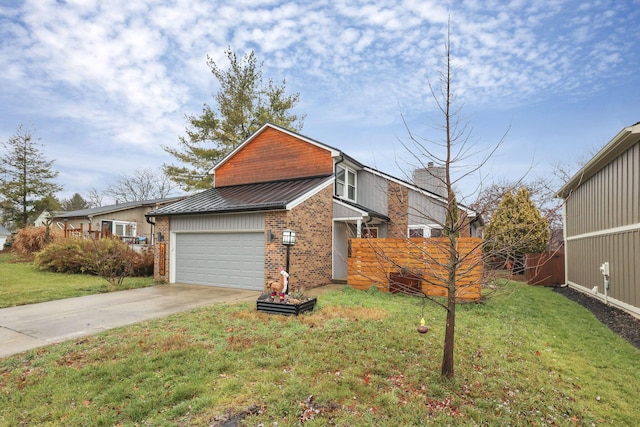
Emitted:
<point x="528" y="356"/>
<point x="21" y="283"/>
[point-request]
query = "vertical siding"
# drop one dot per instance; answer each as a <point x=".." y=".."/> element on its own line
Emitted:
<point x="603" y="225"/>
<point x="621" y="251"/>
<point x="424" y="210"/>
<point x="372" y="192"/>
<point x="609" y="199"/>
<point x="250" y="221"/>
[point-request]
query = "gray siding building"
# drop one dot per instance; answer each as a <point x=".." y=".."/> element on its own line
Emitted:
<point x="602" y="223"/>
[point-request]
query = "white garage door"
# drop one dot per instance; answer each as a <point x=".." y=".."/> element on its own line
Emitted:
<point x="234" y="260"/>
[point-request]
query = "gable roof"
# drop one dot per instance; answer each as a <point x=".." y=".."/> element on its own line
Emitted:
<point x="334" y="151"/>
<point x="274" y="195"/>
<point x="102" y="210"/>
<point x="620" y="143"/>
<point x="343" y="157"/>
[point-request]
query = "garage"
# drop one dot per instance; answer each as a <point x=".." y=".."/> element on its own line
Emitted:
<point x="231" y="259"/>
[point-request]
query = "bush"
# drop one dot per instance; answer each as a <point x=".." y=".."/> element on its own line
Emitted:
<point x="30" y="240"/>
<point x="64" y="256"/>
<point x="110" y="259"/>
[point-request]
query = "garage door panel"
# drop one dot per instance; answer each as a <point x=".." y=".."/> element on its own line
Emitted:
<point x="221" y="259"/>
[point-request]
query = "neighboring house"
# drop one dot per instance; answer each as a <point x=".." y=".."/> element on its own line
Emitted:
<point x="45" y="217"/>
<point x="231" y="234"/>
<point x="602" y="223"/>
<point x="126" y="220"/>
<point x="4" y="236"/>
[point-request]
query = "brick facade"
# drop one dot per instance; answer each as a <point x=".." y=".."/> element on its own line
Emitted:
<point x="310" y="257"/>
<point x="398" y="200"/>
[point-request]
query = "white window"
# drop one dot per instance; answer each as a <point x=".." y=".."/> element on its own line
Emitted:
<point x="346" y="183"/>
<point x="124" y="228"/>
<point x="425" y="230"/>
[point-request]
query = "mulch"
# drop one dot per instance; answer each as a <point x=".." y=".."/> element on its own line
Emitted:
<point x="619" y="321"/>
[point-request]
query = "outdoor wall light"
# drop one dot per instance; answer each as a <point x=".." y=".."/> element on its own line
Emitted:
<point x="288" y="237"/>
<point x="270" y="236"/>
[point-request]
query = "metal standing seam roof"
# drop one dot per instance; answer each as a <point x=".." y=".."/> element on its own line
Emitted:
<point x="242" y="198"/>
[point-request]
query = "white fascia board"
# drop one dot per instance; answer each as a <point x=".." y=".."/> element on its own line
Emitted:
<point x="292" y="204"/>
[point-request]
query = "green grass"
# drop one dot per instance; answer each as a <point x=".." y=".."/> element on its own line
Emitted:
<point x="21" y="283"/>
<point x="526" y="357"/>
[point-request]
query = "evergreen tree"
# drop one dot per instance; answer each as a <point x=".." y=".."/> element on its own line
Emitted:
<point x="26" y="178"/>
<point x="517" y="227"/>
<point x="75" y="203"/>
<point x="243" y="104"/>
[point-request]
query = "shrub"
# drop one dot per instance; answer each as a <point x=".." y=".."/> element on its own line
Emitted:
<point x="30" y="240"/>
<point x="64" y="256"/>
<point x="111" y="259"/>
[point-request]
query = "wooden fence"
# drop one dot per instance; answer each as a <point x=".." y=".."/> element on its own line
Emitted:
<point x="545" y="269"/>
<point x="373" y="262"/>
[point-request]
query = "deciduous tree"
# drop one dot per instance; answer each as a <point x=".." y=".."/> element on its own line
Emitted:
<point x="242" y="105"/>
<point x="26" y="177"/>
<point x="142" y="184"/>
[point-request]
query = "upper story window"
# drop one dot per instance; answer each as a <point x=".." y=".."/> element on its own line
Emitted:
<point x="345" y="183"/>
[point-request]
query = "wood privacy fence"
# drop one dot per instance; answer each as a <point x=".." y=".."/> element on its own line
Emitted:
<point x="545" y="269"/>
<point x="380" y="262"/>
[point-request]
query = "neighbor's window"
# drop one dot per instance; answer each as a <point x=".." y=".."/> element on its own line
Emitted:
<point x="124" y="229"/>
<point x="346" y="183"/>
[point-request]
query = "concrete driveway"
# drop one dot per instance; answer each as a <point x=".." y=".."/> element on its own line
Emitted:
<point x="25" y="327"/>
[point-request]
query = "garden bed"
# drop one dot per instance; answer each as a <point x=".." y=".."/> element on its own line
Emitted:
<point x="288" y="308"/>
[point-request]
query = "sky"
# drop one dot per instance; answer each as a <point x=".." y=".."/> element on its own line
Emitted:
<point x="105" y="85"/>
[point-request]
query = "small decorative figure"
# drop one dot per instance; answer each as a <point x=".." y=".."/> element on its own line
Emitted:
<point x="281" y="286"/>
<point x="423" y="327"/>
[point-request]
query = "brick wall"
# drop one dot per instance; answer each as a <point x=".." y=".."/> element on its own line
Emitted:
<point x="398" y="199"/>
<point x="162" y="226"/>
<point x="310" y="257"/>
<point x="274" y="155"/>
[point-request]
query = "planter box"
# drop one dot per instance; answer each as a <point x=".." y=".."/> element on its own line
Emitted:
<point x="265" y="305"/>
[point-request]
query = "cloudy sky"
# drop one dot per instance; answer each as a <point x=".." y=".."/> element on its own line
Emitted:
<point x="106" y="84"/>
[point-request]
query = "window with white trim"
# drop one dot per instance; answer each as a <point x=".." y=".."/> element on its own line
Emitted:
<point x="345" y="183"/>
<point x="424" y="230"/>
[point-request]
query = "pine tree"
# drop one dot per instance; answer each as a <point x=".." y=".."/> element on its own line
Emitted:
<point x="75" y="203"/>
<point x="517" y="227"/>
<point x="243" y="104"/>
<point x="26" y="178"/>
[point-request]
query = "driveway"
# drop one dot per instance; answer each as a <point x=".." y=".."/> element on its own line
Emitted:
<point x="29" y="326"/>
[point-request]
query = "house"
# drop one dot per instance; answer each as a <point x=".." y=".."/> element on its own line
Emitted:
<point x="45" y="218"/>
<point x="4" y="236"/>
<point x="126" y="220"/>
<point x="277" y="180"/>
<point x="602" y="223"/>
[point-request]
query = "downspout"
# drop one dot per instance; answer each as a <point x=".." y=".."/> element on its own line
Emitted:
<point x="153" y="224"/>
<point x="335" y="174"/>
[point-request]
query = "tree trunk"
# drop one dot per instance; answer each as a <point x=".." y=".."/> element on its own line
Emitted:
<point x="449" y="334"/>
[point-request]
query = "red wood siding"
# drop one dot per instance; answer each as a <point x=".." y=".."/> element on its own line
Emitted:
<point x="271" y="156"/>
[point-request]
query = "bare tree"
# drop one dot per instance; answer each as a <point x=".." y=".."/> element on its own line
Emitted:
<point x="143" y="184"/>
<point x="95" y="198"/>
<point x="454" y="152"/>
